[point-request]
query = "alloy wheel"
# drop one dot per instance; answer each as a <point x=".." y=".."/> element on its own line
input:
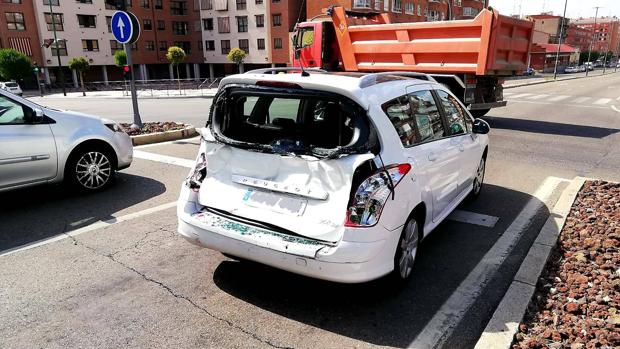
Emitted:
<point x="408" y="249"/>
<point x="479" y="177"/>
<point x="93" y="170"/>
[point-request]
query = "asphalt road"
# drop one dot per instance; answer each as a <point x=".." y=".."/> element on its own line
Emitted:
<point x="132" y="282"/>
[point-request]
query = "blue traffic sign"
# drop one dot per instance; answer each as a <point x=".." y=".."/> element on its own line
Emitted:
<point x="125" y="27"/>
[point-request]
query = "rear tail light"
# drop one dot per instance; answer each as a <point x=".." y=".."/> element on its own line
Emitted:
<point x="194" y="181"/>
<point x="370" y="197"/>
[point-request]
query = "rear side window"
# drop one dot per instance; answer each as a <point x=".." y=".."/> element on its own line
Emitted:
<point x="415" y="117"/>
<point x="455" y="114"/>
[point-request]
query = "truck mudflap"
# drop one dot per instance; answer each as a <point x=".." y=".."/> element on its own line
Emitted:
<point x="484" y="106"/>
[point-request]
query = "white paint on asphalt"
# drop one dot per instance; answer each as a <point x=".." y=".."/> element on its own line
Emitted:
<point x="445" y="320"/>
<point x="163" y="159"/>
<point x="581" y="99"/>
<point x="88" y="228"/>
<point x="558" y="98"/>
<point x="618" y="99"/>
<point x="473" y="218"/>
<point x="565" y="104"/>
<point x="539" y="97"/>
<point x="522" y="95"/>
<point x="615" y="109"/>
<point x="603" y="101"/>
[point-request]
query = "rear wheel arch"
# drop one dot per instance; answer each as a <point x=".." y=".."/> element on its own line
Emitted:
<point x="419" y="214"/>
<point x="485" y="152"/>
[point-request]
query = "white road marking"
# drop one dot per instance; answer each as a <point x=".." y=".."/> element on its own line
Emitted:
<point x="88" y="228"/>
<point x="618" y="99"/>
<point x="566" y="104"/>
<point x="603" y="101"/>
<point x="614" y="108"/>
<point x="445" y="320"/>
<point x="164" y="159"/>
<point x="522" y="95"/>
<point x="539" y="97"/>
<point x="180" y="141"/>
<point x="581" y="99"/>
<point x="558" y="98"/>
<point x="473" y="218"/>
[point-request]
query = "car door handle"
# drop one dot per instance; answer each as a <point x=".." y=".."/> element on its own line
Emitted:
<point x="432" y="157"/>
<point x="461" y="147"/>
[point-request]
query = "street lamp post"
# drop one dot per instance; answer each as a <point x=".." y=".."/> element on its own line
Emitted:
<point x="449" y="3"/>
<point x="62" y="76"/>
<point x="592" y="41"/>
<point x="557" y="54"/>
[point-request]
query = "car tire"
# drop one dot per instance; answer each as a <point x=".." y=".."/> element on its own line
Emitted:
<point x="90" y="169"/>
<point x="406" y="251"/>
<point x="478" y="179"/>
<point x="478" y="113"/>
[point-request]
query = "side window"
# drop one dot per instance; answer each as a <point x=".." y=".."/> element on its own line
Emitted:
<point x="282" y="108"/>
<point x="11" y="112"/>
<point x="427" y="118"/>
<point x="248" y="105"/>
<point x="399" y="112"/>
<point x="455" y="114"/>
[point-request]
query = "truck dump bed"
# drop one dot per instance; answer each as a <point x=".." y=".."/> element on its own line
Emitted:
<point x="489" y="44"/>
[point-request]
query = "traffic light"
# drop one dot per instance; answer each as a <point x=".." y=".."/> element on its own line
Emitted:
<point x="127" y="72"/>
<point x="120" y="5"/>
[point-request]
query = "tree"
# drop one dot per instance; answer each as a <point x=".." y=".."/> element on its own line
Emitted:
<point x="80" y="65"/>
<point x="14" y="65"/>
<point x="120" y="58"/>
<point x="237" y="56"/>
<point x="176" y="56"/>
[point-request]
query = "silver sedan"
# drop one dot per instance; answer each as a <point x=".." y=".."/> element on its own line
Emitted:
<point x="43" y="145"/>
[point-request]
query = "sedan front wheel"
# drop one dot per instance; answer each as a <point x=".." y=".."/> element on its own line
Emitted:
<point x="90" y="169"/>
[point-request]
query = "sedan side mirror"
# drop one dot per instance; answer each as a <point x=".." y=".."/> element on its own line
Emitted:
<point x="33" y="116"/>
<point x="481" y="127"/>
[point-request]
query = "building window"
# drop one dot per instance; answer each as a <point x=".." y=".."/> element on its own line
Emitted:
<point x="378" y="5"/>
<point x="84" y="1"/>
<point x="225" y="46"/>
<point x="54" y="2"/>
<point x="457" y="2"/>
<point x="409" y="8"/>
<point x="260" y="21"/>
<point x="147" y="24"/>
<point x="361" y="3"/>
<point x="419" y="10"/>
<point x="161" y="24"/>
<point x="242" y="24"/>
<point x="163" y="46"/>
<point x="149" y="45"/>
<point x="244" y="44"/>
<point x="12" y="1"/>
<point x="178" y="8"/>
<point x="386" y="5"/>
<point x="277" y="43"/>
<point x="276" y="20"/>
<point x="275" y="1"/>
<point x="15" y="21"/>
<point x="396" y="5"/>
<point x="185" y="45"/>
<point x="145" y="4"/>
<point x="207" y="23"/>
<point x="241" y="5"/>
<point x="221" y="5"/>
<point x="108" y="22"/>
<point x="206" y="4"/>
<point x="59" y="48"/>
<point x="199" y="45"/>
<point x="258" y="2"/>
<point x="223" y="25"/>
<point x="210" y="45"/>
<point x="134" y="46"/>
<point x="159" y="4"/>
<point x="87" y="21"/>
<point x="58" y="21"/>
<point x="180" y="28"/>
<point x="115" y="46"/>
<point x="90" y="45"/>
<point x="260" y="44"/>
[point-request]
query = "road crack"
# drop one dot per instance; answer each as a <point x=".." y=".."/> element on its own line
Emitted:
<point x="170" y="290"/>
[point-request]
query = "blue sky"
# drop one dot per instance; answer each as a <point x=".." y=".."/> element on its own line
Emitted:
<point x="576" y="8"/>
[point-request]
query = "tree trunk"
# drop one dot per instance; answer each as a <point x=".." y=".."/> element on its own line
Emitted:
<point x="178" y="78"/>
<point x="82" y="82"/>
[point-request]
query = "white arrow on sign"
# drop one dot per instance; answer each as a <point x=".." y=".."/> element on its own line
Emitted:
<point x="121" y="26"/>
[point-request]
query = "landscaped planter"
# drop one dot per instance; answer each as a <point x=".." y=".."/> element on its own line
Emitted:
<point x="151" y="133"/>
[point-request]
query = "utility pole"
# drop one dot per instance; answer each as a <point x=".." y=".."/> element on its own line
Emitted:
<point x="62" y="75"/>
<point x="557" y="54"/>
<point x="606" y="51"/>
<point x="591" y="42"/>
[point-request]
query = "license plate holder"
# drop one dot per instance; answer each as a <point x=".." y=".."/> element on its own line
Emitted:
<point x="276" y="202"/>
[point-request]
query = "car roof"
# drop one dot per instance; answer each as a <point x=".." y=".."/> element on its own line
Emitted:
<point x="349" y="84"/>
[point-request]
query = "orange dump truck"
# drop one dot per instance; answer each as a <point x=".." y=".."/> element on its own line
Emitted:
<point x="471" y="57"/>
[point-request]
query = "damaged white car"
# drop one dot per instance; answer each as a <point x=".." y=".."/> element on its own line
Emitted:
<point x="333" y="176"/>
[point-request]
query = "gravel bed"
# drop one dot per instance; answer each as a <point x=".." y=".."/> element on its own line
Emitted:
<point x="153" y="127"/>
<point x="577" y="300"/>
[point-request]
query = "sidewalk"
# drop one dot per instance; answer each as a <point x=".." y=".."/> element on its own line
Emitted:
<point x="543" y="79"/>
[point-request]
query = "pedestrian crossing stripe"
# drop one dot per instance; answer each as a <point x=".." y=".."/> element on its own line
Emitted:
<point x="603" y="101"/>
<point x="597" y="101"/>
<point x="558" y="98"/>
<point x="582" y="99"/>
<point x="539" y="97"/>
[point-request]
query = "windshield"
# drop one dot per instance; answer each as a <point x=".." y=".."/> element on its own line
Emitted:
<point x="11" y="84"/>
<point x="291" y="122"/>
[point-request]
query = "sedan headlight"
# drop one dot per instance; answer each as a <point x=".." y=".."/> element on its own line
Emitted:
<point x="113" y="126"/>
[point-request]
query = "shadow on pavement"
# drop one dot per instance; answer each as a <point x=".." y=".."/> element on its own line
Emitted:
<point x="40" y="212"/>
<point x="551" y="128"/>
<point x="382" y="312"/>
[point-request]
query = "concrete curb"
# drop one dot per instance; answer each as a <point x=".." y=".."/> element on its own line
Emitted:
<point x="504" y="324"/>
<point x="159" y="137"/>
<point x="549" y="81"/>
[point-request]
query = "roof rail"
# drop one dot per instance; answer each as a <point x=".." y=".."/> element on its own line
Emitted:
<point x="371" y="79"/>
<point x="284" y="70"/>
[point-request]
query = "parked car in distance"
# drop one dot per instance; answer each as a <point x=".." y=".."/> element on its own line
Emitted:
<point x="529" y="72"/>
<point x="571" y="69"/>
<point x="333" y="176"/>
<point x="589" y="66"/>
<point x="582" y="68"/>
<point x="45" y="145"/>
<point x="12" y="87"/>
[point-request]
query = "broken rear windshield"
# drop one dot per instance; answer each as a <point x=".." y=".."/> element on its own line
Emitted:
<point x="291" y="121"/>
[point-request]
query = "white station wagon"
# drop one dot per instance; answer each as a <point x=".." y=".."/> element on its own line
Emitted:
<point x="333" y="176"/>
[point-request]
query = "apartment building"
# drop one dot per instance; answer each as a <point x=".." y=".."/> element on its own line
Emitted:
<point x="550" y="24"/>
<point x="18" y="28"/>
<point x="579" y="37"/>
<point x="606" y="34"/>
<point x="405" y="10"/>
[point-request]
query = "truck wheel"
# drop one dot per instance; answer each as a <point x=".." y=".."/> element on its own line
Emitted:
<point x="478" y="113"/>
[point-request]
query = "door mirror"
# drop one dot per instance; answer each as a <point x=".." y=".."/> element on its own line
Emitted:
<point x="33" y="116"/>
<point x="481" y="127"/>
